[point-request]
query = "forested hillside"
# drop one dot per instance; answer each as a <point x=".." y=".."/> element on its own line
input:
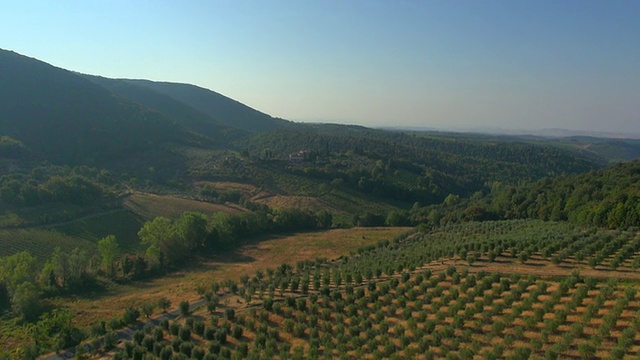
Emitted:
<point x="169" y="107"/>
<point x="614" y="150"/>
<point x="173" y="138"/>
<point x="608" y="198"/>
<point x="227" y="111"/>
<point x="408" y="167"/>
<point x="604" y="198"/>
<point x="64" y="118"/>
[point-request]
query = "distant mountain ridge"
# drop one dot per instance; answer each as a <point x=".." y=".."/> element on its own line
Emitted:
<point x="170" y="107"/>
<point x="65" y="118"/>
<point x="190" y="105"/>
<point x="544" y="133"/>
<point x="225" y="110"/>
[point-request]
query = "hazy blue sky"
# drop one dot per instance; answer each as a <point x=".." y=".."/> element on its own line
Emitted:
<point x="511" y="64"/>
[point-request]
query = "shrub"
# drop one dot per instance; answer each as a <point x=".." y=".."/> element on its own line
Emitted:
<point x="185" y="333"/>
<point x="229" y="313"/>
<point x="197" y="353"/>
<point x="209" y="333"/>
<point x="221" y="336"/>
<point x="237" y="331"/>
<point x="186" y="348"/>
<point x="164" y="304"/>
<point x="184" y="308"/>
<point x="147" y="309"/>
<point x="587" y="350"/>
<point x="115" y="324"/>
<point x="99" y="328"/>
<point x="138" y="336"/>
<point x="166" y="353"/>
<point x="158" y="334"/>
<point x="130" y="316"/>
<point x="198" y="327"/>
<point x="268" y="304"/>
<point x="110" y="340"/>
<point x="147" y="343"/>
<point x="214" y="347"/>
<point x="243" y="349"/>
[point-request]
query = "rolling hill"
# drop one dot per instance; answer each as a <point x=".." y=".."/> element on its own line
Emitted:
<point x="607" y="197"/>
<point x="226" y="111"/>
<point x="151" y="134"/>
<point x="83" y="158"/>
<point x="175" y="110"/>
<point x="64" y="118"/>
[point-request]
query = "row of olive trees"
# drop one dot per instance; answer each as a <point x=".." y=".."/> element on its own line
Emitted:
<point x="378" y="302"/>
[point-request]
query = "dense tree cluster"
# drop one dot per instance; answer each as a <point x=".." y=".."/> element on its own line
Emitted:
<point x="50" y="184"/>
<point x="605" y="198"/>
<point x="170" y="242"/>
<point x="24" y="281"/>
<point x="412" y="168"/>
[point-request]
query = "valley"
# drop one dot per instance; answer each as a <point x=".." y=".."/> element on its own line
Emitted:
<point x="125" y="199"/>
<point x="363" y="306"/>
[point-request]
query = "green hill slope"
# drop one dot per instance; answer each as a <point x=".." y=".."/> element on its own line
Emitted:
<point x="227" y="111"/>
<point x="609" y="197"/>
<point x="62" y="117"/>
<point x="606" y="198"/>
<point x="175" y="110"/>
<point x="411" y="168"/>
<point x="614" y="150"/>
<point x="163" y="137"/>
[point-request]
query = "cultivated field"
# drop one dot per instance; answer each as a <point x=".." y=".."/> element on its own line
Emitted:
<point x="150" y="205"/>
<point x="511" y="289"/>
<point x="258" y="255"/>
<point x="39" y="242"/>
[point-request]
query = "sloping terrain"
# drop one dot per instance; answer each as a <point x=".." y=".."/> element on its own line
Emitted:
<point x="150" y="205"/>
<point x="63" y="117"/>
<point x="227" y="111"/>
<point x="509" y="289"/>
<point x="171" y="108"/>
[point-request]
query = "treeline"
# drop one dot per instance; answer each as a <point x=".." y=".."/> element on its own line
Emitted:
<point x="167" y="243"/>
<point x="605" y="198"/>
<point x="24" y="279"/>
<point x="170" y="242"/>
<point x="80" y="185"/>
